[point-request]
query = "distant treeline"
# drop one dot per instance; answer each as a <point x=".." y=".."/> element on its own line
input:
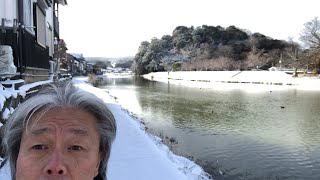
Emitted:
<point x="216" y="48"/>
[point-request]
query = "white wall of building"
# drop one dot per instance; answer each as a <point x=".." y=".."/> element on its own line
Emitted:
<point x="50" y="30"/>
<point x="8" y="11"/>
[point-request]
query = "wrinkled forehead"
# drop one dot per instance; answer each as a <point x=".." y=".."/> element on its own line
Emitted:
<point x="63" y="118"/>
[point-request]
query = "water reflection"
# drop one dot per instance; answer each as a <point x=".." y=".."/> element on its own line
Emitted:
<point x="236" y="134"/>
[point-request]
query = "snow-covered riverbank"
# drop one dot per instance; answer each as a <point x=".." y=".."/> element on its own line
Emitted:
<point x="135" y="153"/>
<point x="237" y="79"/>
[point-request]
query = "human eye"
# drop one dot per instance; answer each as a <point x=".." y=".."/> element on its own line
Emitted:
<point x="75" y="148"/>
<point x="39" y="147"/>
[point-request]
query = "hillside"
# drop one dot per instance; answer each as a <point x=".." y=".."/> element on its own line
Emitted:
<point x="215" y="48"/>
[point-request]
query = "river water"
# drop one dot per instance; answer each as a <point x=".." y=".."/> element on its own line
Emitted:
<point x="233" y="134"/>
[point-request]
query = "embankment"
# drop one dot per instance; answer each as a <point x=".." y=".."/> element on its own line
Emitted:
<point x="279" y="78"/>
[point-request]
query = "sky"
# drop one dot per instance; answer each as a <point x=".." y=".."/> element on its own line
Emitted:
<point x="115" y="28"/>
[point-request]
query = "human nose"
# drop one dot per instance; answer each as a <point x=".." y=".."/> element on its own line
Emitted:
<point x="56" y="165"/>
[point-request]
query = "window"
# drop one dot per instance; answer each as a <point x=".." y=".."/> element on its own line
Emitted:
<point x="41" y="27"/>
<point x="28" y="16"/>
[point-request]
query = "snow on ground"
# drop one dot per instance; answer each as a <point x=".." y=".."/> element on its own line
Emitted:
<point x="6" y="93"/>
<point x="252" y="81"/>
<point x="135" y="154"/>
<point x="23" y="89"/>
<point x="118" y="75"/>
<point x="6" y="113"/>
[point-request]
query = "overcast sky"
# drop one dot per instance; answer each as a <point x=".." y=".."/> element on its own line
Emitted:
<point x="115" y="28"/>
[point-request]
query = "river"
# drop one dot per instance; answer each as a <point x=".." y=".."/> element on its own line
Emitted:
<point x="233" y="134"/>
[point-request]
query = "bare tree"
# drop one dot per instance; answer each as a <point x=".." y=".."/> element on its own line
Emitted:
<point x="224" y="51"/>
<point x="311" y="36"/>
<point x="255" y="59"/>
<point x="292" y="50"/>
<point x="311" y="33"/>
<point x="223" y="64"/>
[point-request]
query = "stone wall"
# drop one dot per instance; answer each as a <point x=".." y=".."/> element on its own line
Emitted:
<point x="36" y="74"/>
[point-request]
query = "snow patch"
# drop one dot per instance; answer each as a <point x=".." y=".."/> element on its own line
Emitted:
<point x="6" y="114"/>
<point x="2" y="100"/>
<point x="5" y="93"/>
<point x="11" y="110"/>
<point x="252" y="81"/>
<point x="6" y="60"/>
<point x="189" y="168"/>
<point x="23" y="89"/>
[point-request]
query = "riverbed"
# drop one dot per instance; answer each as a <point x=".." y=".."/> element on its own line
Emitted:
<point x="233" y="134"/>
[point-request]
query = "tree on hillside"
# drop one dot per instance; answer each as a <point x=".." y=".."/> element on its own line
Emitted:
<point x="138" y="61"/>
<point x="224" y="51"/>
<point x="311" y="33"/>
<point x="124" y="64"/>
<point x="261" y="41"/>
<point x="234" y="34"/>
<point x="293" y="52"/>
<point x="156" y="50"/>
<point x="256" y="59"/>
<point x="171" y="58"/>
<point x="223" y="64"/>
<point x="311" y="36"/>
<point x="102" y="64"/>
<point x="209" y="48"/>
<point x="182" y="36"/>
<point x="207" y="34"/>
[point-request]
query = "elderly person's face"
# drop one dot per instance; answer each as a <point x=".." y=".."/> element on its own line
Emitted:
<point x="62" y="144"/>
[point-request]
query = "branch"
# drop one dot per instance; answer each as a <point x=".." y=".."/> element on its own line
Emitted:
<point x="314" y="34"/>
<point x="291" y="56"/>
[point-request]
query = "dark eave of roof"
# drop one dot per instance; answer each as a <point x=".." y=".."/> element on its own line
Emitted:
<point x="62" y="2"/>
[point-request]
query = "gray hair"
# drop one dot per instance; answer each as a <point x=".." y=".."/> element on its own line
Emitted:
<point x="59" y="95"/>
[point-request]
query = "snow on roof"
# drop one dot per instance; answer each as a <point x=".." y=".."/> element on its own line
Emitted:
<point x="78" y="56"/>
<point x="62" y="2"/>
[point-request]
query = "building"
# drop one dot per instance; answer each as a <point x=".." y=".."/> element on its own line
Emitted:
<point x="79" y="64"/>
<point x="29" y="27"/>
